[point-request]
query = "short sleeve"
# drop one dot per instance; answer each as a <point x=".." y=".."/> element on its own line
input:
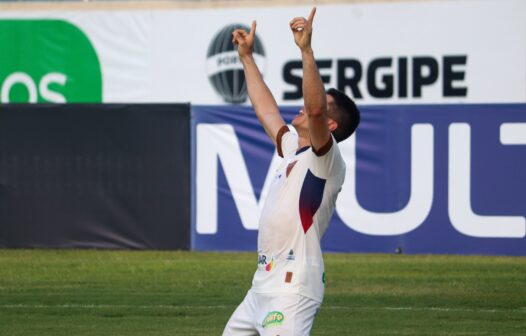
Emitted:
<point x="328" y="161"/>
<point x="286" y="141"/>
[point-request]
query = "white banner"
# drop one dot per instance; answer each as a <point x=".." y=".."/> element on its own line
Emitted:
<point x="394" y="53"/>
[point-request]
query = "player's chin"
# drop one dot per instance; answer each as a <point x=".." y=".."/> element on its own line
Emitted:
<point x="297" y="120"/>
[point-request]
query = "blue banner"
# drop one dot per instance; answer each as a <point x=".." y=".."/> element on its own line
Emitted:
<point x="420" y="179"/>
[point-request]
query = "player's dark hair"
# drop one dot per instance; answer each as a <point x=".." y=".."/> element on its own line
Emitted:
<point x="346" y="115"/>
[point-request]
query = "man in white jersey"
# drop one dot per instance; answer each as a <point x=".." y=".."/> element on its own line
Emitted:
<point x="288" y="285"/>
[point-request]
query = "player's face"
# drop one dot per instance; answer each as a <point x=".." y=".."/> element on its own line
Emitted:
<point x="300" y="120"/>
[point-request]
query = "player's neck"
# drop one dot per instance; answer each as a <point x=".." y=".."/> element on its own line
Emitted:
<point x="303" y="137"/>
<point x="303" y="141"/>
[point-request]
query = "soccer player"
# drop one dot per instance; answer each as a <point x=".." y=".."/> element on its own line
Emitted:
<point x="288" y="286"/>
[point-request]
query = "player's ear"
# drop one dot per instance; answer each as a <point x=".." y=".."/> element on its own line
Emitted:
<point x="332" y="124"/>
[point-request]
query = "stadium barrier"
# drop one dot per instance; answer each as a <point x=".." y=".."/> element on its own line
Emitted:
<point x="420" y="178"/>
<point x="95" y="176"/>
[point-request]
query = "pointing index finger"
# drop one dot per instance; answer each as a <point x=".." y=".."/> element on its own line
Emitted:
<point x="253" y="29"/>
<point x="311" y="15"/>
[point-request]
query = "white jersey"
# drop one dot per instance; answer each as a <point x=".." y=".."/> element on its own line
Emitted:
<point x="296" y="214"/>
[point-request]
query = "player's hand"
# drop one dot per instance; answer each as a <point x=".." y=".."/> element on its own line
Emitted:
<point x="302" y="30"/>
<point x="244" y="40"/>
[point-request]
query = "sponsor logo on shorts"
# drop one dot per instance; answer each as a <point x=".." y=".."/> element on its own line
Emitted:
<point x="274" y="318"/>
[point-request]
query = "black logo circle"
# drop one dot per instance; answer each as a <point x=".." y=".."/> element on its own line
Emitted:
<point x="224" y="68"/>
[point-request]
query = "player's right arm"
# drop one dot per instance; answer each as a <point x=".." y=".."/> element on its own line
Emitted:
<point x="260" y="96"/>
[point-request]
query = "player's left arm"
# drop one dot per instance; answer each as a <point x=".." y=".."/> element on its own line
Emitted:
<point x="313" y="90"/>
<point x="263" y="101"/>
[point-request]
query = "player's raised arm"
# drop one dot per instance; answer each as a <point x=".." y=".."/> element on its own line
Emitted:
<point x="313" y="90"/>
<point x="262" y="100"/>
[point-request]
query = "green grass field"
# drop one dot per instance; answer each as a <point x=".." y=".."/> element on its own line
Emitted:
<point x="85" y="292"/>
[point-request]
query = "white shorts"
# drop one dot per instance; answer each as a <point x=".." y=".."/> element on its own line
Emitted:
<point x="273" y="314"/>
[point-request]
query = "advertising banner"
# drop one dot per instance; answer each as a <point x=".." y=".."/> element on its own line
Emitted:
<point x="379" y="53"/>
<point x="95" y="176"/>
<point x="47" y="61"/>
<point x="435" y="167"/>
<point x="419" y="179"/>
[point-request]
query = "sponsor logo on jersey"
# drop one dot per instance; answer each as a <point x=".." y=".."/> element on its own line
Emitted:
<point x="274" y="318"/>
<point x="269" y="265"/>
<point x="288" y="277"/>
<point x="291" y="255"/>
<point x="266" y="262"/>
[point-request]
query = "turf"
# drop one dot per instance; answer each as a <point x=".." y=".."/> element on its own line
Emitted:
<point x="85" y="292"/>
